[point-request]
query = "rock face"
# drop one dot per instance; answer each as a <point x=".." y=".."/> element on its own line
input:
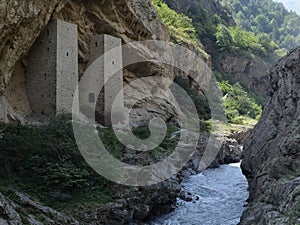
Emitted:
<point x="130" y="20"/>
<point x="22" y="23"/>
<point x="139" y="204"/>
<point x="249" y="72"/>
<point x="272" y="153"/>
<point x="24" y="210"/>
<point x="230" y="152"/>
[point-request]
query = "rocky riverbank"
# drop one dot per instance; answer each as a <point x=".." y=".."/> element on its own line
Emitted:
<point x="69" y="191"/>
<point x="136" y="205"/>
<point x="272" y="159"/>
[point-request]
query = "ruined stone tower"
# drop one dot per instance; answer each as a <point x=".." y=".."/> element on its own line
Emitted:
<point x="52" y="75"/>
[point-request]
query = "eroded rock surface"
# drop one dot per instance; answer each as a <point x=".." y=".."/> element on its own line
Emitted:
<point x="130" y="20"/>
<point x="24" y="210"/>
<point x="249" y="72"/>
<point x="272" y="153"/>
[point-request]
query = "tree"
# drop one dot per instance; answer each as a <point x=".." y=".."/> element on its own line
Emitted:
<point x="224" y="38"/>
<point x="261" y="22"/>
<point x="267" y="42"/>
<point x="180" y="26"/>
<point x="270" y="17"/>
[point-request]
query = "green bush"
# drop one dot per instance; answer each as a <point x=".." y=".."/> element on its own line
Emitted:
<point x="45" y="161"/>
<point x="237" y="39"/>
<point x="224" y="39"/>
<point x="238" y="103"/>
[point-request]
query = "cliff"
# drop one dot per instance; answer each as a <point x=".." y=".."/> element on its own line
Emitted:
<point x="21" y="25"/>
<point x="249" y="71"/>
<point x="235" y="66"/>
<point x="272" y="158"/>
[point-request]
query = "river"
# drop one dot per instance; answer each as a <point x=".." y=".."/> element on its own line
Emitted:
<point x="219" y="198"/>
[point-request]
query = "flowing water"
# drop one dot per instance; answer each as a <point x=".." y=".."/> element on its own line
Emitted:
<point x="219" y="198"/>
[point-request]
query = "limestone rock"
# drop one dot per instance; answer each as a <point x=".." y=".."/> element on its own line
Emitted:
<point x="249" y="72"/>
<point x="272" y="153"/>
<point x="130" y="20"/>
<point x="231" y="151"/>
<point x="16" y="212"/>
<point x="8" y="214"/>
<point x="22" y="23"/>
<point x="135" y="206"/>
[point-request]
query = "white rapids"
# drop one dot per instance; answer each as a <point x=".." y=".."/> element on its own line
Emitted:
<point x="222" y="192"/>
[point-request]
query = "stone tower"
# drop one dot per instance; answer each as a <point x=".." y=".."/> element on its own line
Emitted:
<point x="52" y="76"/>
<point x="102" y="75"/>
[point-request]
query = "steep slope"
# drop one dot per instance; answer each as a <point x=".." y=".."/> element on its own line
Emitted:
<point x="272" y="159"/>
<point x="267" y="17"/>
<point x="238" y="62"/>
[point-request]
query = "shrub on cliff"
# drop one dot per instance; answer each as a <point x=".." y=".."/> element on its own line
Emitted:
<point x="180" y="26"/>
<point x="237" y="103"/>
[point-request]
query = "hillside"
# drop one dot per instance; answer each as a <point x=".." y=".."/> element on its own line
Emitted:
<point x="239" y="105"/>
<point x="267" y="18"/>
<point x="241" y="39"/>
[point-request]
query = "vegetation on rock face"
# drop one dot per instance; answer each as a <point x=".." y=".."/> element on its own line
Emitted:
<point x="238" y="104"/>
<point x="236" y="39"/>
<point x="180" y="26"/>
<point x="217" y="34"/>
<point x="205" y="23"/>
<point x="44" y="161"/>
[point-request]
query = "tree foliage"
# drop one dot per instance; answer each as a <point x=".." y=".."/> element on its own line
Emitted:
<point x="217" y="32"/>
<point x="224" y="38"/>
<point x="267" y="17"/>
<point x="236" y="39"/>
<point x="237" y="102"/>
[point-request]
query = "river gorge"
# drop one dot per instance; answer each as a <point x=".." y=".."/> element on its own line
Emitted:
<point x="217" y="196"/>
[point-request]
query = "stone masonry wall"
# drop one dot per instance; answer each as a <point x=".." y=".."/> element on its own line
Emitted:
<point x="52" y="75"/>
<point x="112" y="61"/>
